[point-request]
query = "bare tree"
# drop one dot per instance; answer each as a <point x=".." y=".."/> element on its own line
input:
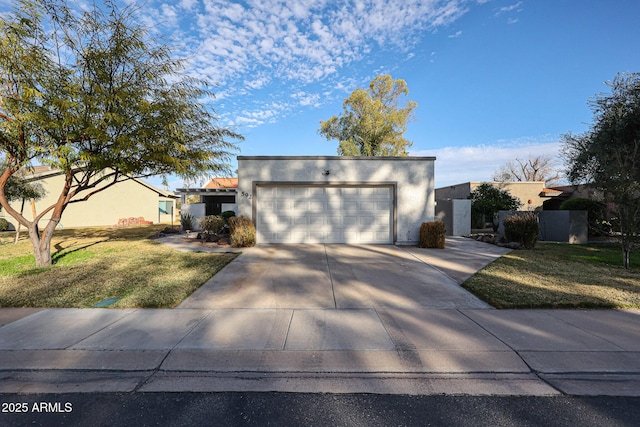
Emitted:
<point x="533" y="168"/>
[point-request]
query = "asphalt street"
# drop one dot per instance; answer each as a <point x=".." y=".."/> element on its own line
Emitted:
<point x="303" y="409"/>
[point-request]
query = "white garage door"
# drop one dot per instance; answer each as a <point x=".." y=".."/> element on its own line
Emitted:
<point x="306" y="214"/>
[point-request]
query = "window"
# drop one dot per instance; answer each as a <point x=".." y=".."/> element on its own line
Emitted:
<point x="166" y="207"/>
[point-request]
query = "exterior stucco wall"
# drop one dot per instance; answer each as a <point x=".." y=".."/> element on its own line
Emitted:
<point x="458" y="191"/>
<point x="524" y="191"/>
<point x="412" y="177"/>
<point x="456" y="215"/>
<point x="124" y="200"/>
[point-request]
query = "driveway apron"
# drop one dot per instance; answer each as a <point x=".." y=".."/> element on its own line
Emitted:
<point x="334" y="277"/>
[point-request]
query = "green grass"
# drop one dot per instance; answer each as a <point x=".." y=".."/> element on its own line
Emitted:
<point x="560" y="276"/>
<point x="92" y="265"/>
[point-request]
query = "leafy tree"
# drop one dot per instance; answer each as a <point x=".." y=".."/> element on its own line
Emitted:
<point x="91" y="94"/>
<point x="17" y="188"/>
<point x="372" y="122"/>
<point x="487" y="200"/>
<point x="533" y="168"/>
<point x="608" y="154"/>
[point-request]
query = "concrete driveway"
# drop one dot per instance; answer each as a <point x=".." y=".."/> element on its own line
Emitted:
<point x="347" y="277"/>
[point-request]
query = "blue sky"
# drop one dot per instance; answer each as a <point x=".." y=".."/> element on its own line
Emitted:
<point x="493" y="79"/>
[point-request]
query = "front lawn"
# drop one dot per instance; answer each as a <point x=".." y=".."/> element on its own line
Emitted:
<point x="557" y="275"/>
<point x="95" y="264"/>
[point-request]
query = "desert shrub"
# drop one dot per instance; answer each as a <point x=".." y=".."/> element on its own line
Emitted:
<point x="522" y="228"/>
<point x="212" y="224"/>
<point x="432" y="235"/>
<point x="4" y="224"/>
<point x="595" y="213"/>
<point x="226" y="215"/>
<point x="243" y="232"/>
<point x="186" y="221"/>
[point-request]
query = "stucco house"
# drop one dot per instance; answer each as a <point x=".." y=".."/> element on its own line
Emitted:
<point x="334" y="199"/>
<point x="132" y="198"/>
<point x="532" y="194"/>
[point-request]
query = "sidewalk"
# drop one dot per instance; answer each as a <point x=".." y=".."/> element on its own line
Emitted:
<point x="381" y="349"/>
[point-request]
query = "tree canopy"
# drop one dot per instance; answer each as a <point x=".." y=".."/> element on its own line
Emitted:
<point x="92" y="94"/>
<point x="487" y="200"/>
<point x="607" y="156"/>
<point x="533" y="168"/>
<point x="373" y="122"/>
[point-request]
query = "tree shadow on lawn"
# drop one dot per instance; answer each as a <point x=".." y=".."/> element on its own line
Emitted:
<point x="63" y="253"/>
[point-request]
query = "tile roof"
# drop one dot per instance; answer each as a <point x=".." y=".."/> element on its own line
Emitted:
<point x="222" y="183"/>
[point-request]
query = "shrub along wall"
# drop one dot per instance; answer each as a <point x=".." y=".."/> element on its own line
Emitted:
<point x="432" y="235"/>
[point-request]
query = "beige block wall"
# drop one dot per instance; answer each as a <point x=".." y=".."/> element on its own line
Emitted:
<point x="123" y="200"/>
<point x="524" y="191"/>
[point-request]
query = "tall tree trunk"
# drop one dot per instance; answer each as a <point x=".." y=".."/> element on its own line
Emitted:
<point x="626" y="250"/>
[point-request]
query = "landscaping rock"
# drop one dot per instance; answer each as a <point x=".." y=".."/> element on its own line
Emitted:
<point x="494" y="239"/>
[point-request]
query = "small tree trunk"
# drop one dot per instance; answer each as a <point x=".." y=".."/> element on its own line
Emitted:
<point x="41" y="246"/>
<point x="19" y="225"/>
<point x="626" y="250"/>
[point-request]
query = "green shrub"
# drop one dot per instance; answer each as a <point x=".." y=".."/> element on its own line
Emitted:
<point x="595" y="213"/>
<point x="432" y="235"/>
<point x="212" y="224"/>
<point x="226" y="215"/>
<point x="522" y="228"/>
<point x="4" y="224"/>
<point x="243" y="232"/>
<point x="186" y="221"/>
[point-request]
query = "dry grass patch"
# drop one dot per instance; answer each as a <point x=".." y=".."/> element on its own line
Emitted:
<point x="92" y="265"/>
<point x="560" y="276"/>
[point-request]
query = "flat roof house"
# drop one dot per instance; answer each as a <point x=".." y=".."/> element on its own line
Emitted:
<point x="335" y="199"/>
<point x="532" y="194"/>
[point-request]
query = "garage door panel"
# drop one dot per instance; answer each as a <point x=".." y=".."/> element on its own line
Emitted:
<point x="285" y="220"/>
<point x="350" y="220"/>
<point x="316" y="220"/>
<point x="303" y="220"/>
<point x="316" y="206"/>
<point x="299" y="214"/>
<point x="383" y="206"/>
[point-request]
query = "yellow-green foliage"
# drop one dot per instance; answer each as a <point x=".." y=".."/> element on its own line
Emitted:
<point x="243" y="232"/>
<point x="211" y="223"/>
<point x="432" y="235"/>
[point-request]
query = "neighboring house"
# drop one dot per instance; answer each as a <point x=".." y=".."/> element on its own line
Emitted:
<point x="331" y="199"/>
<point x="132" y="198"/>
<point x="566" y="192"/>
<point x="217" y="196"/>
<point x="532" y="194"/>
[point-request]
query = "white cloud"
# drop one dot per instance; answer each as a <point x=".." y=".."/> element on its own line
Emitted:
<point x="455" y="35"/>
<point x="263" y="43"/>
<point x="510" y="8"/>
<point x="455" y="165"/>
